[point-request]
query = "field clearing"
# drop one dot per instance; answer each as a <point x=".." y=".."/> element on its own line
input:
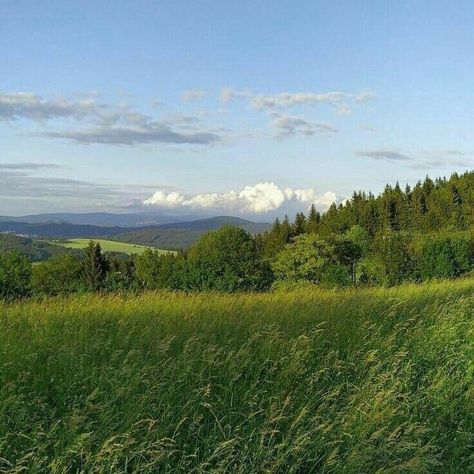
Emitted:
<point x="107" y="246"/>
<point x="376" y="380"/>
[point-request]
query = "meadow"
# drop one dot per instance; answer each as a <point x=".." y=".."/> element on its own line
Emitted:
<point x="309" y="380"/>
<point x="107" y="246"/>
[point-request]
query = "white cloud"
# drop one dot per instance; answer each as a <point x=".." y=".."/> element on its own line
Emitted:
<point x="260" y="198"/>
<point x="163" y="199"/>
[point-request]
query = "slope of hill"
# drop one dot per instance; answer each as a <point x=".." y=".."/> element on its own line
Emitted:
<point x="35" y="250"/>
<point x="376" y="380"/>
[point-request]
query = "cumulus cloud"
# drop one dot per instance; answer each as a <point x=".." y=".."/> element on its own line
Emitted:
<point x="384" y="154"/>
<point x="286" y="126"/>
<point x="191" y="95"/>
<point x="260" y="198"/>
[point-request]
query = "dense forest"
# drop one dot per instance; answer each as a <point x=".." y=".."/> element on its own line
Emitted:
<point x="400" y="235"/>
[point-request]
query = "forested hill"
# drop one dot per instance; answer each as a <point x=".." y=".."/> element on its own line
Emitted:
<point x="184" y="234"/>
<point x="431" y="205"/>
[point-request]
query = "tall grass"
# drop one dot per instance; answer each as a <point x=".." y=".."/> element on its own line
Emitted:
<point x="307" y="381"/>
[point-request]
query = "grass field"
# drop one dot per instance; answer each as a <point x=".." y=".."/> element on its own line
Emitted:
<point x="307" y="381"/>
<point x="106" y="245"/>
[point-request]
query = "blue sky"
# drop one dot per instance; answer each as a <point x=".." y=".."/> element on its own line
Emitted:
<point x="252" y="108"/>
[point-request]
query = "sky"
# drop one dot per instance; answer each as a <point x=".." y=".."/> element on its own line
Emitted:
<point x="247" y="108"/>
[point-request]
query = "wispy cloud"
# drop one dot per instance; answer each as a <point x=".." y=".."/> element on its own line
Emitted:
<point x="287" y="126"/>
<point x="340" y="101"/>
<point x="27" y="166"/>
<point x="33" y="107"/>
<point x="152" y="132"/>
<point x="22" y="184"/>
<point x="192" y="95"/>
<point x="287" y="99"/>
<point x="384" y="154"/>
<point x="228" y="94"/>
<point x="107" y="124"/>
<point x="421" y="161"/>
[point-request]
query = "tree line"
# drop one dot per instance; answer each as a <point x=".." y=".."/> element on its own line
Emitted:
<point x="412" y="235"/>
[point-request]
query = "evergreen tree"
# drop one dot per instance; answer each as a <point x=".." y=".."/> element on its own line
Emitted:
<point x="299" y="225"/>
<point x="94" y="267"/>
<point x="286" y="231"/>
<point x="457" y="215"/>
<point x="312" y="223"/>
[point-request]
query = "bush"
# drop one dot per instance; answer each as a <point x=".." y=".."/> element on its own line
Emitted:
<point x="154" y="270"/>
<point x="15" y="275"/>
<point x="56" y="276"/>
<point x="445" y="255"/>
<point x="226" y="260"/>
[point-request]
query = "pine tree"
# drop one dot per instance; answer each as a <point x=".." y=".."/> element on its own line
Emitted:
<point x="286" y="231"/>
<point x="94" y="266"/>
<point x="313" y="221"/>
<point x="299" y="225"/>
<point x="457" y="213"/>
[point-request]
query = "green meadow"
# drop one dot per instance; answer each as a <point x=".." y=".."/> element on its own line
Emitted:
<point x="309" y="380"/>
<point x="107" y="246"/>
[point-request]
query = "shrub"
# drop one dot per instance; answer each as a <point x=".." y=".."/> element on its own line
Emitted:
<point x="15" y="275"/>
<point x="58" y="275"/>
<point x="226" y="260"/>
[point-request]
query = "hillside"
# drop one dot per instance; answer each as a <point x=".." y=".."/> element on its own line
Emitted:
<point x="35" y="250"/>
<point x="309" y="381"/>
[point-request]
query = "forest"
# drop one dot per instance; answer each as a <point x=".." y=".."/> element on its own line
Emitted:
<point x="401" y="235"/>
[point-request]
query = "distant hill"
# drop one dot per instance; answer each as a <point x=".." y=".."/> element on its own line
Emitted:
<point x="58" y="230"/>
<point x="178" y="235"/>
<point x="213" y="223"/>
<point x="102" y="219"/>
<point x="181" y="235"/>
